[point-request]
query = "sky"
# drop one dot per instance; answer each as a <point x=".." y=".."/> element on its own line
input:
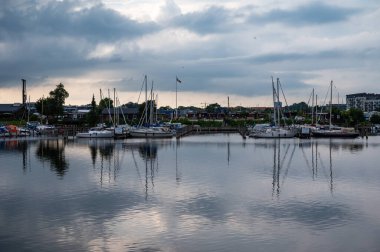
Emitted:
<point x="217" y="48"/>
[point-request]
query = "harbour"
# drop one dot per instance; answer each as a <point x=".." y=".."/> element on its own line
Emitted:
<point x="209" y="192"/>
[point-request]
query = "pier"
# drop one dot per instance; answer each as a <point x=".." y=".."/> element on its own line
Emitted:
<point x="194" y="129"/>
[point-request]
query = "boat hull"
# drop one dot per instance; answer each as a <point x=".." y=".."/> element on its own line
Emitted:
<point x="147" y="133"/>
<point x="100" y="134"/>
<point x="334" y="134"/>
<point x="274" y="134"/>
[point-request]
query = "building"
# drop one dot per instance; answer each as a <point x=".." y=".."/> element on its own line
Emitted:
<point x="17" y="110"/>
<point x="363" y="101"/>
<point x="9" y="110"/>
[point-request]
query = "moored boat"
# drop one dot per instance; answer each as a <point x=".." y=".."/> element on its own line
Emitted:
<point x="334" y="132"/>
<point x="274" y="132"/>
<point x="151" y="132"/>
<point x="96" y="133"/>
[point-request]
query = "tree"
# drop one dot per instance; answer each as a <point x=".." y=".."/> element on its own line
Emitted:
<point x="58" y="95"/>
<point x="92" y="116"/>
<point x="105" y="103"/>
<point x="375" y="119"/>
<point x="353" y="116"/>
<point x="213" y="108"/>
<point x="53" y="105"/>
<point x="45" y="106"/>
<point x="356" y="115"/>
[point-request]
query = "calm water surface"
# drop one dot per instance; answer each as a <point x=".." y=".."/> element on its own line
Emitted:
<point x="202" y="193"/>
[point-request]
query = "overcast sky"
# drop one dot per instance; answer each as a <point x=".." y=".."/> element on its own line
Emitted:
<point x="217" y="48"/>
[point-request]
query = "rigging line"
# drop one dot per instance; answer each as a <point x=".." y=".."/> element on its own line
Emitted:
<point x="286" y="102"/>
<point x="309" y="98"/>
<point x="283" y="93"/>
<point x="307" y="160"/>
<point x="284" y="157"/>
<point x="324" y="102"/>
<point x="324" y="167"/>
<point x="288" y="166"/>
<point x="142" y="86"/>
<point x="136" y="166"/>
<point x="142" y="116"/>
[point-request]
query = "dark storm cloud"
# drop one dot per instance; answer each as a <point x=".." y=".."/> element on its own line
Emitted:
<point x="311" y="14"/>
<point x="55" y="38"/>
<point x="56" y="19"/>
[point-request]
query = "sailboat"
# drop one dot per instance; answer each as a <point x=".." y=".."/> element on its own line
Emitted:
<point x="276" y="131"/>
<point x="332" y="131"/>
<point x="97" y="132"/>
<point x="149" y="131"/>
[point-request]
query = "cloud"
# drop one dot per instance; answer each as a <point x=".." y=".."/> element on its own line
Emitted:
<point x="60" y="38"/>
<point x="212" y="20"/>
<point x="67" y="19"/>
<point x="315" y="13"/>
<point x="215" y="47"/>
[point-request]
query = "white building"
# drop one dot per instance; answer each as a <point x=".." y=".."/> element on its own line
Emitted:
<point x="363" y="101"/>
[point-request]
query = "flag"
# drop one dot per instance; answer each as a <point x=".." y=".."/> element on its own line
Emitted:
<point x="178" y="80"/>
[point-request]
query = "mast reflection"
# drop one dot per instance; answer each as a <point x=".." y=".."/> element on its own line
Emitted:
<point x="316" y="155"/>
<point x="105" y="151"/>
<point x="278" y="164"/>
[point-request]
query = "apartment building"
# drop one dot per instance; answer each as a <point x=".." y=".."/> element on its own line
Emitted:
<point x="365" y="101"/>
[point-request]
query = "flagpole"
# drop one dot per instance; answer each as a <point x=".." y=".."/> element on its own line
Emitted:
<point x="176" y="107"/>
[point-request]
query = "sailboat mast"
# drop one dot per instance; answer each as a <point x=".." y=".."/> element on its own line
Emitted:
<point x="151" y="106"/>
<point x="331" y="84"/>
<point x="114" y="107"/>
<point x="146" y="99"/>
<point x="312" y="109"/>
<point x="274" y="103"/>
<point x="278" y="102"/>
<point x="316" y="109"/>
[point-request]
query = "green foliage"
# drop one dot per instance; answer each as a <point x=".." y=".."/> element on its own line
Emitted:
<point x="105" y="103"/>
<point x="375" y="119"/>
<point x="207" y="123"/>
<point x="53" y="105"/>
<point x="352" y="117"/>
<point x="301" y="107"/>
<point x="142" y="108"/>
<point x="357" y="115"/>
<point x="92" y="116"/>
<point x="213" y="108"/>
<point x="238" y="123"/>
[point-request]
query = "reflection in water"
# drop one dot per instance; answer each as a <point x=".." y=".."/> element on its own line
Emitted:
<point x="109" y="158"/>
<point x="54" y="152"/>
<point x="226" y="199"/>
<point x="148" y="152"/>
<point x="278" y="164"/>
<point x="282" y="159"/>
<point x="20" y="146"/>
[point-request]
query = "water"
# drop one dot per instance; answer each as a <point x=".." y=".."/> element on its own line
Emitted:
<point x="202" y="193"/>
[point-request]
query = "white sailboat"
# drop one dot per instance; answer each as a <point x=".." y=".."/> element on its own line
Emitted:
<point x="96" y="133"/>
<point x="149" y="131"/>
<point x="276" y="131"/>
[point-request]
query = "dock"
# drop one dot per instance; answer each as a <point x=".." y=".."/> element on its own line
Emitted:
<point x="193" y="130"/>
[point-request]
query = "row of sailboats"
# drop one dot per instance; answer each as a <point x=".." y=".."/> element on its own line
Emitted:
<point x="100" y="131"/>
<point x="148" y="128"/>
<point x="276" y="131"/>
